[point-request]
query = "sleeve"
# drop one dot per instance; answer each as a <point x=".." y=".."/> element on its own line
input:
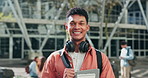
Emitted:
<point x="49" y="68"/>
<point x="131" y="55"/>
<point x="107" y="71"/>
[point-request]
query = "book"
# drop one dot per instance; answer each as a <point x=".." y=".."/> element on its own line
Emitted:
<point x="92" y="73"/>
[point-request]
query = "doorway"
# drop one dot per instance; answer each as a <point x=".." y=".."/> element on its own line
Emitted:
<point x="17" y="47"/>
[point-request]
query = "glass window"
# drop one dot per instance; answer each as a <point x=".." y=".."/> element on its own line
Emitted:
<point x="129" y="35"/>
<point x="95" y="42"/>
<point x="136" y="53"/>
<point x="142" y="53"/>
<point x="4" y="47"/>
<point x="146" y="36"/>
<point x="137" y="15"/>
<point x="141" y="44"/>
<point x="130" y="14"/>
<point x="136" y="43"/>
<point x="130" y="43"/>
<point x="104" y="42"/>
<point x="146" y="53"/>
<point x="17" y="47"/>
<point x="113" y="48"/>
<point x="25" y="45"/>
<point x="141" y="36"/>
<point x="142" y="31"/>
<point x="60" y="43"/>
<point x="135" y="31"/>
<point x="50" y="44"/>
<point x="35" y="43"/>
<point x="146" y="44"/>
<point x="94" y="28"/>
<point x="47" y="53"/>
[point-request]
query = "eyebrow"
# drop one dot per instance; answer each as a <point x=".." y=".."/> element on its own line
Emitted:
<point x="81" y="21"/>
<point x="74" y="21"/>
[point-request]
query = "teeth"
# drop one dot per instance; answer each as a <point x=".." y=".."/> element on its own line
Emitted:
<point x="77" y="32"/>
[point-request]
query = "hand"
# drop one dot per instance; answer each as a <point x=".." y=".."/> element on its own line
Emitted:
<point x="69" y="73"/>
<point x="121" y="57"/>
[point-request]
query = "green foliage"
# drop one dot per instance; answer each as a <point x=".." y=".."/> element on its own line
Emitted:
<point x="3" y="17"/>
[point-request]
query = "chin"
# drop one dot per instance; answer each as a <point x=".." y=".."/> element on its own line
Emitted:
<point x="78" y="39"/>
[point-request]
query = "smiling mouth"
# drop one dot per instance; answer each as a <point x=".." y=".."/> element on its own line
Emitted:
<point x="77" y="32"/>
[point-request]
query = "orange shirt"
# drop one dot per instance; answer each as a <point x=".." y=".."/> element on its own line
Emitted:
<point x="54" y="67"/>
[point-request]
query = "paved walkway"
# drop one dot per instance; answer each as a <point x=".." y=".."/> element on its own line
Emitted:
<point x="19" y="72"/>
<point x="138" y="72"/>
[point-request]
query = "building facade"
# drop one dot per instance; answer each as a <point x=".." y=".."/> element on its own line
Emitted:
<point x="43" y="22"/>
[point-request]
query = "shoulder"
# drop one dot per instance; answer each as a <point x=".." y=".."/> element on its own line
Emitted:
<point x="104" y="57"/>
<point x="33" y="63"/>
<point x="53" y="55"/>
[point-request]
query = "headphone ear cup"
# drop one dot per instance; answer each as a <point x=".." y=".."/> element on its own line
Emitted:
<point x="70" y="46"/>
<point x="83" y="47"/>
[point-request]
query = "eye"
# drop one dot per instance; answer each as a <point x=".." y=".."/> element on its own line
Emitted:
<point x="81" y="24"/>
<point x="72" y="24"/>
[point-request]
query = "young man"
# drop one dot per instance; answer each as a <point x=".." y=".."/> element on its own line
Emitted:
<point x="125" y="67"/>
<point x="77" y="27"/>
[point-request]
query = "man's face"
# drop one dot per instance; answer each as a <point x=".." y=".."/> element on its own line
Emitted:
<point x="123" y="46"/>
<point x="77" y="27"/>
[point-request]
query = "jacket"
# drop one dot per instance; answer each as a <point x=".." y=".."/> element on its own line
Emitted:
<point x="54" y="67"/>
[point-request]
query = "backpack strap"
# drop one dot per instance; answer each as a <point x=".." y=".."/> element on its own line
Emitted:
<point x="99" y="60"/>
<point x="65" y="60"/>
<point x="127" y="51"/>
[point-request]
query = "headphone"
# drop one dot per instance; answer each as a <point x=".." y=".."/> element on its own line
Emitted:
<point x="83" y="47"/>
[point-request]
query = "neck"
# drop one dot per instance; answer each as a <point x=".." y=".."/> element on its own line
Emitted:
<point x="76" y="43"/>
<point x="77" y="46"/>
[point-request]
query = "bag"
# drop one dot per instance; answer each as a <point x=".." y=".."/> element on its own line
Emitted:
<point x="6" y="73"/>
<point x="27" y="69"/>
<point x="133" y="61"/>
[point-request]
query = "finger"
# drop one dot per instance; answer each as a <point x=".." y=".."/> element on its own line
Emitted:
<point x="70" y="75"/>
<point x="69" y="70"/>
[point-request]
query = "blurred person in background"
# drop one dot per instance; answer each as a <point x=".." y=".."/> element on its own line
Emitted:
<point x="124" y="57"/>
<point x="33" y="68"/>
<point x="40" y="64"/>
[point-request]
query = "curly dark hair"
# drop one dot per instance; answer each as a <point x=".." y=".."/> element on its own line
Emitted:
<point x="123" y="43"/>
<point x="78" y="11"/>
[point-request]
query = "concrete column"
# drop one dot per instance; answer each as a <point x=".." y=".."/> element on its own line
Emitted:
<point x="46" y="9"/>
<point x="109" y="50"/>
<point x="22" y="50"/>
<point x="147" y="9"/>
<point x="126" y="16"/>
<point x="38" y="6"/>
<point x="10" y="47"/>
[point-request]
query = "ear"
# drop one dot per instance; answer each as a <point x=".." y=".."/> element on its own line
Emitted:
<point x="66" y="26"/>
<point x="88" y="27"/>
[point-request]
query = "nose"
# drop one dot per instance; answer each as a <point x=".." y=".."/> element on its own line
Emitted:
<point x="77" y="26"/>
